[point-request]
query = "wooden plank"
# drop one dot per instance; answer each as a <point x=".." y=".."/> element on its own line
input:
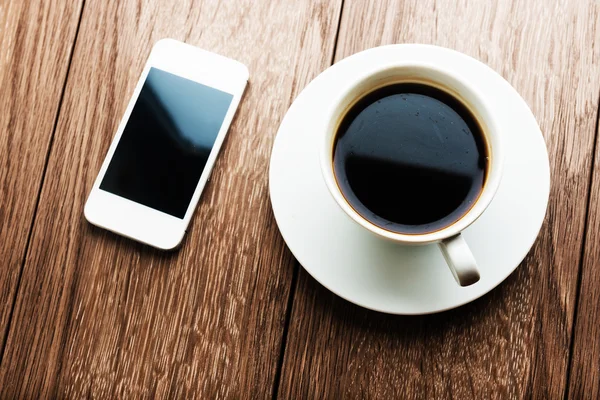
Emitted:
<point x="514" y="342"/>
<point x="97" y="315"/>
<point x="584" y="377"/>
<point x="36" y="39"/>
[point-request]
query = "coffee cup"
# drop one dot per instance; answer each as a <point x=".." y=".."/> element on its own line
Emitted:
<point x="396" y="135"/>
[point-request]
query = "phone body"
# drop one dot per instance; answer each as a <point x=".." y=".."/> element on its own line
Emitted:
<point x="166" y="144"/>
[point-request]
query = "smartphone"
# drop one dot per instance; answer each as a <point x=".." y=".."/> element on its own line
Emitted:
<point x="166" y="144"/>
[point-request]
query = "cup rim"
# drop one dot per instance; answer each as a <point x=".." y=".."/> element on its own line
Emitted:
<point x="481" y="111"/>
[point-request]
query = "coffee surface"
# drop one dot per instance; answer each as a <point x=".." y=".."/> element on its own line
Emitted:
<point x="410" y="158"/>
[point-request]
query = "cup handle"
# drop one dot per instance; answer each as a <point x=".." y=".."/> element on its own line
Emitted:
<point x="460" y="260"/>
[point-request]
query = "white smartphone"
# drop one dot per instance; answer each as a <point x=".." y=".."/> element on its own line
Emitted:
<point x="166" y="144"/>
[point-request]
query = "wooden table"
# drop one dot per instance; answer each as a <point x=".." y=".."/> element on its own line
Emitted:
<point x="84" y="313"/>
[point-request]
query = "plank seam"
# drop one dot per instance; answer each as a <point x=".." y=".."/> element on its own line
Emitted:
<point x="33" y="219"/>
<point x="294" y="284"/>
<point x="582" y="254"/>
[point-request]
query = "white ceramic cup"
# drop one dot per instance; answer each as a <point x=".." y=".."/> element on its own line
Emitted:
<point x="453" y="246"/>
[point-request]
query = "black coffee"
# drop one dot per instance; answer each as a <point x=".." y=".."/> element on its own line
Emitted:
<point x="410" y="158"/>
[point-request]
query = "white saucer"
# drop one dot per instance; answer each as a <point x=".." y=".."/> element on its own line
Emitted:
<point x="382" y="275"/>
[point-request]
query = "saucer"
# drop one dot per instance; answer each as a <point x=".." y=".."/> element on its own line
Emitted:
<point x="379" y="274"/>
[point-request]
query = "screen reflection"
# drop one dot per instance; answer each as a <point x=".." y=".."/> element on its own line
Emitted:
<point x="166" y="143"/>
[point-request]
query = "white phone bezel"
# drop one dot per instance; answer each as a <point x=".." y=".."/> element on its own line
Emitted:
<point x="138" y="221"/>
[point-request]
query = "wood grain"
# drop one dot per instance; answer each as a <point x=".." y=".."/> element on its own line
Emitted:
<point x="584" y="379"/>
<point x="36" y="39"/>
<point x="100" y="316"/>
<point x="514" y="342"/>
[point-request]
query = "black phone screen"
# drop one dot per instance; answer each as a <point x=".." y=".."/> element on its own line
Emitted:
<point x="166" y="142"/>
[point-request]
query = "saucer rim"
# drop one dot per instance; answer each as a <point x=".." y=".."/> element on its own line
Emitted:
<point x="508" y="271"/>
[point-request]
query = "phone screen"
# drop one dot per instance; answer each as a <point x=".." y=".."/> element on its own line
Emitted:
<point x="166" y="142"/>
